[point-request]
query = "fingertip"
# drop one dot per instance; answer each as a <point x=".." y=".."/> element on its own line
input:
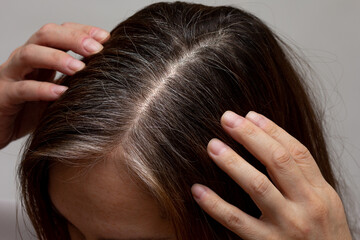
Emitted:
<point x="216" y="147"/>
<point x="198" y="191"/>
<point x="225" y="114"/>
<point x="100" y="35"/>
<point x="256" y="118"/>
<point x="251" y="115"/>
<point x="92" y="46"/>
<point x="231" y="119"/>
<point x="75" y="65"/>
<point x="58" y="90"/>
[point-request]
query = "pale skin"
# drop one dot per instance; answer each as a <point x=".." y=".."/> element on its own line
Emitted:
<point x="104" y="202"/>
<point x="25" y="89"/>
<point x="301" y="204"/>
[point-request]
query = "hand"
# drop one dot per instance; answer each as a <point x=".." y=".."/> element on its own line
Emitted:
<point x="301" y="204"/>
<point x="27" y="77"/>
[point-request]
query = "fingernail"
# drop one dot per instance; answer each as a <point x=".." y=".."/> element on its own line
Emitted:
<point x="216" y="146"/>
<point x="231" y="119"/>
<point x="59" y="90"/>
<point x="255" y="118"/>
<point x="92" y="46"/>
<point x="198" y="191"/>
<point x="99" y="35"/>
<point x="76" y="65"/>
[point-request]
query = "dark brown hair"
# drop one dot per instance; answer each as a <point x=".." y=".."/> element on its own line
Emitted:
<point x="158" y="90"/>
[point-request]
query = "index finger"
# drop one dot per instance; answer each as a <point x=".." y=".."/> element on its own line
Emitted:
<point x="84" y="40"/>
<point x="98" y="34"/>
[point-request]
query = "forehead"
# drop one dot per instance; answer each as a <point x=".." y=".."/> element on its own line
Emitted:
<point x="105" y="201"/>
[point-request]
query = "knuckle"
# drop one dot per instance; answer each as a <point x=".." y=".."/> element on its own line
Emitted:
<point x="233" y="221"/>
<point x="299" y="228"/>
<point x="260" y="185"/>
<point x="26" y="52"/>
<point x="246" y="129"/>
<point x="214" y="204"/>
<point x="21" y="88"/>
<point x="335" y="199"/>
<point x="299" y="151"/>
<point x="56" y="59"/>
<point x="281" y="157"/>
<point x="45" y="30"/>
<point x="14" y="53"/>
<point x="229" y="160"/>
<point x="66" y="24"/>
<point x="319" y="211"/>
<point x="272" y="130"/>
<point x="305" y="229"/>
<point x="336" y="204"/>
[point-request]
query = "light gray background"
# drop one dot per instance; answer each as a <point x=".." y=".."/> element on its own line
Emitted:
<point x="326" y="31"/>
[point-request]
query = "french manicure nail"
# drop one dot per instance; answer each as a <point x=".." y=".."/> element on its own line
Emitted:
<point x="59" y="90"/>
<point x="216" y="146"/>
<point x="198" y="191"/>
<point x="76" y="65"/>
<point x="92" y="46"/>
<point x="231" y="119"/>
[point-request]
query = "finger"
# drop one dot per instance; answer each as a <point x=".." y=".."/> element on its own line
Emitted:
<point x="68" y="38"/>
<point x="32" y="56"/>
<point x="266" y="196"/>
<point x="269" y="152"/>
<point x="30" y="90"/>
<point x="242" y="224"/>
<point x="96" y="33"/>
<point x="299" y="152"/>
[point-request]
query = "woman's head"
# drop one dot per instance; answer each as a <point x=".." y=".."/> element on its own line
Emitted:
<point x="119" y="151"/>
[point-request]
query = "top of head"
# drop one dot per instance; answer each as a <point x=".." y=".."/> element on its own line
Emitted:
<point x="168" y="65"/>
<point x="157" y="91"/>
